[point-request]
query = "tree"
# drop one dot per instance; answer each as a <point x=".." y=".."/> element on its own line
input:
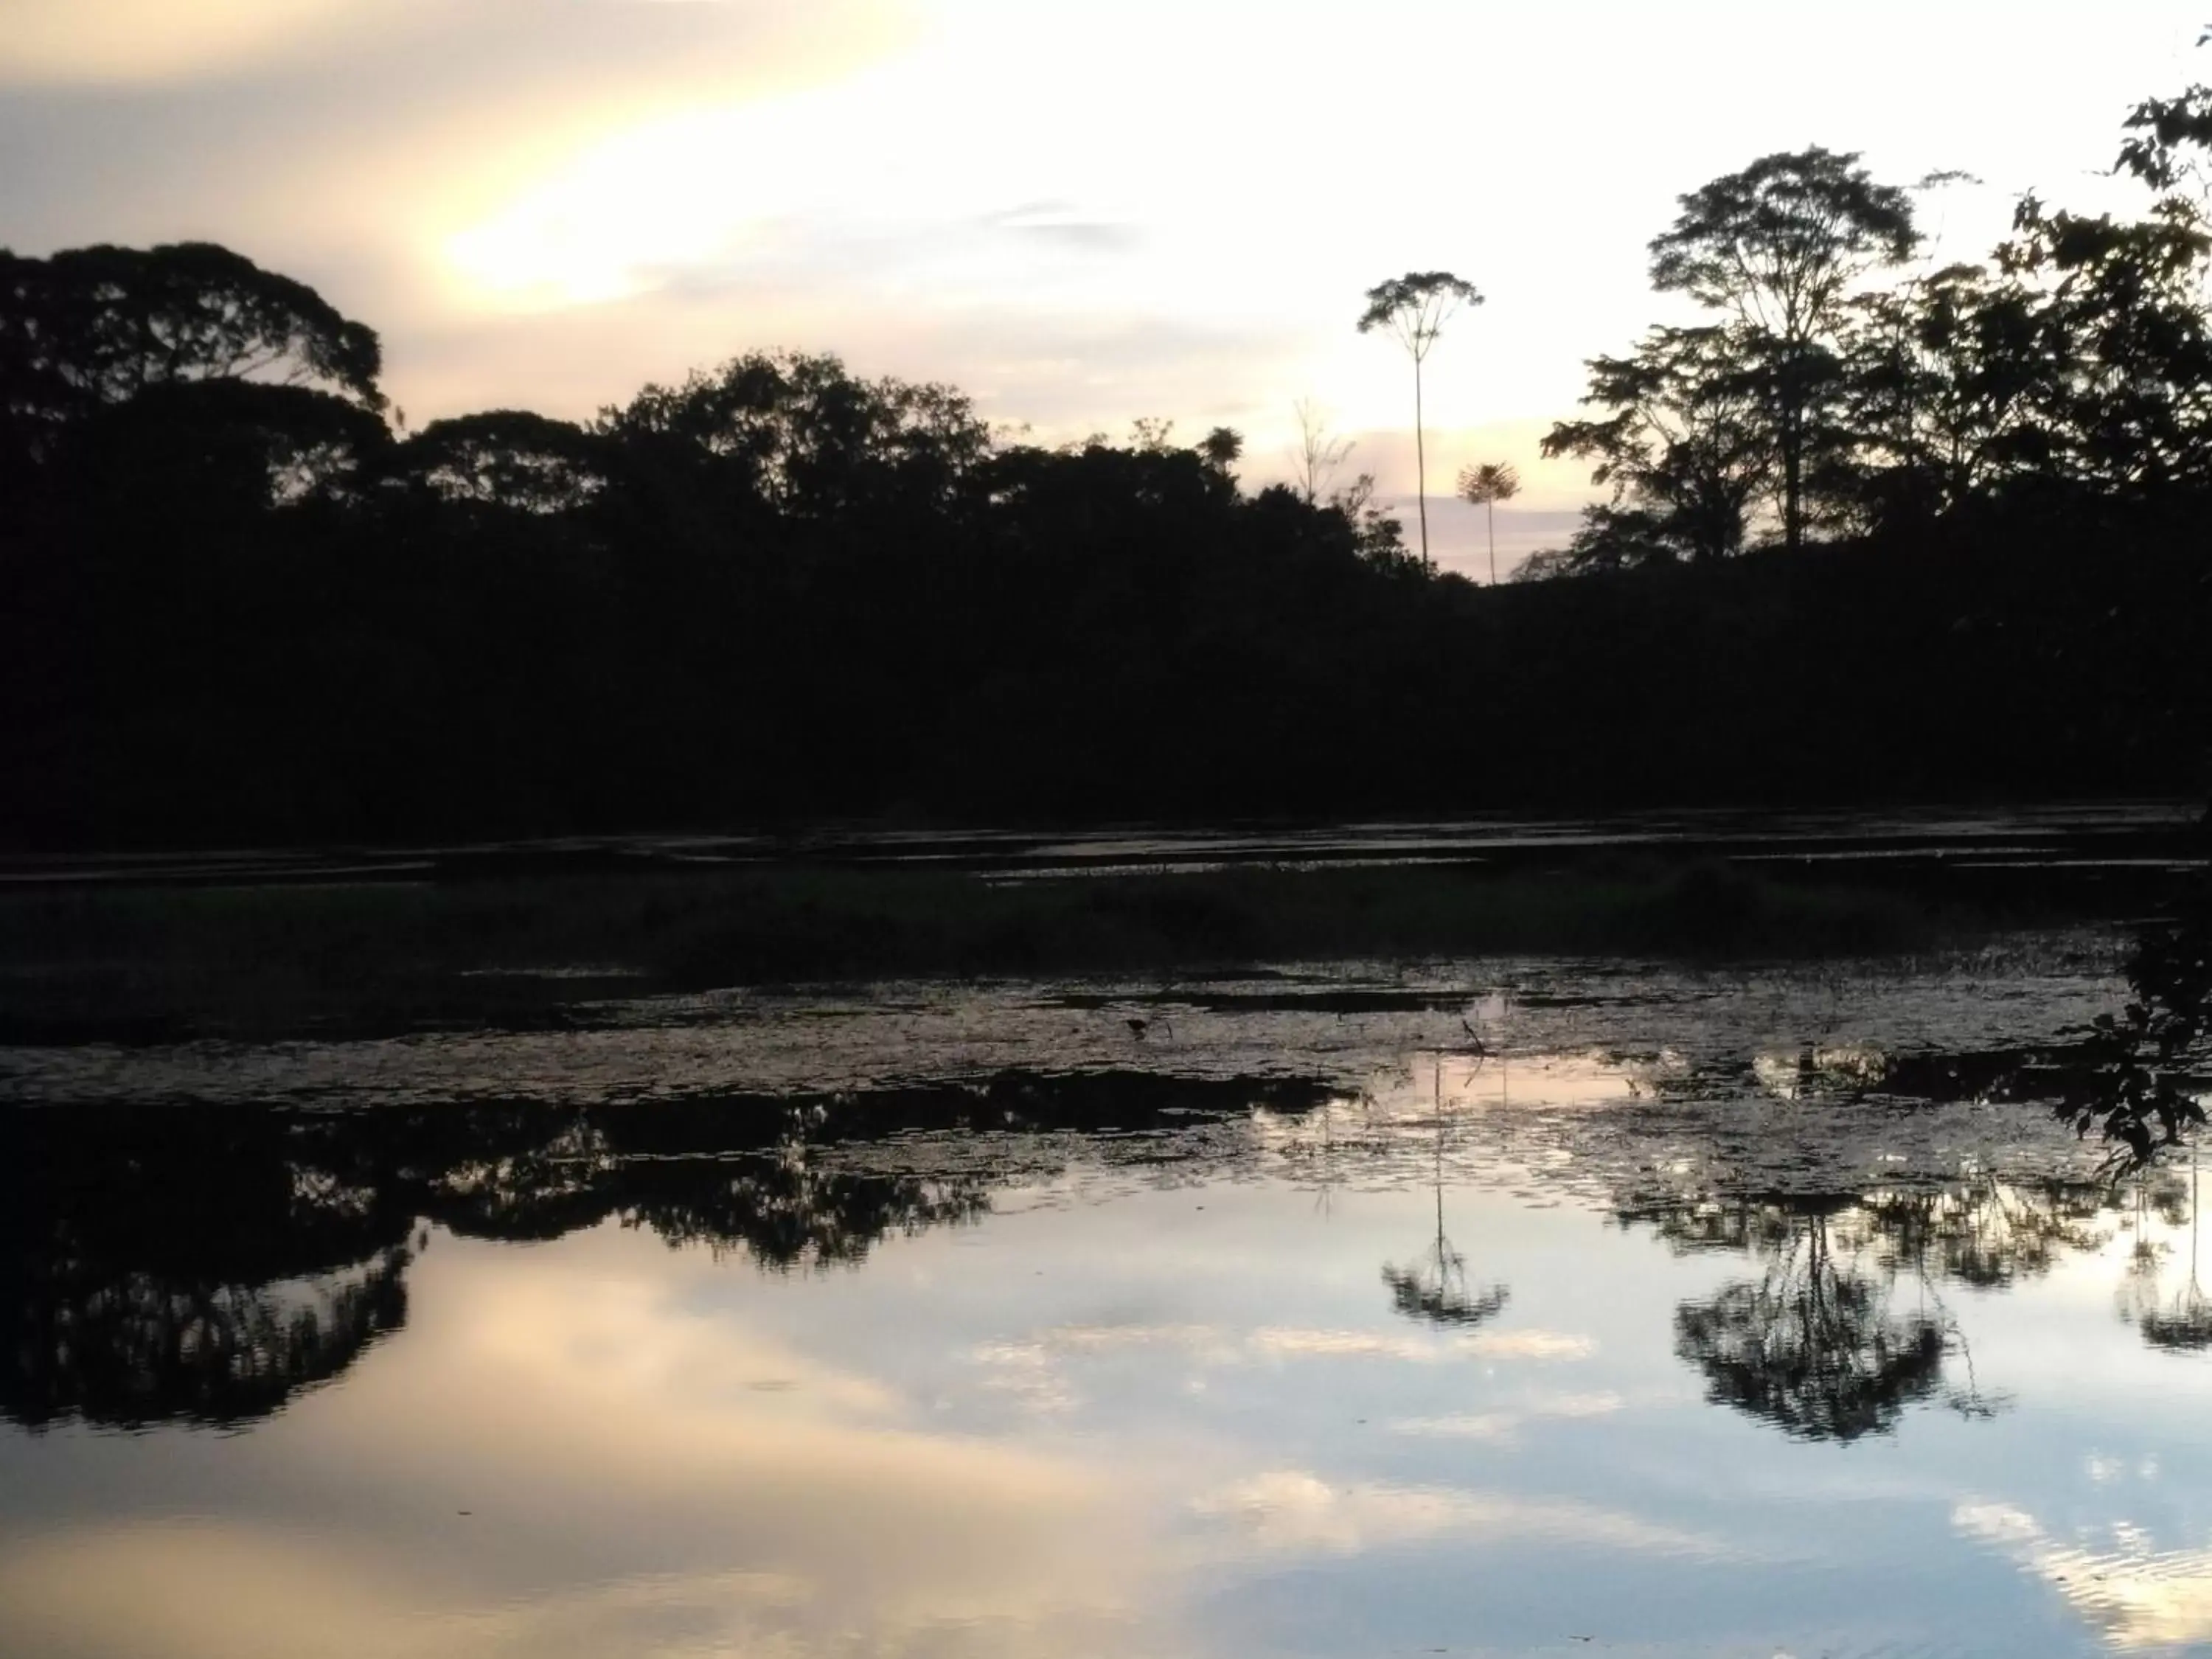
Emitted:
<point x="1414" y="308"/>
<point x="1316" y="455"/>
<point x="1222" y="448"/>
<point x="100" y="324"/>
<point x="222" y="451"/>
<point x="801" y="435"/>
<point x="90" y="329"/>
<point x="2162" y="131"/>
<point x="1377" y="537"/>
<point x="1779" y="248"/>
<point x="1686" y="445"/>
<point x="506" y="458"/>
<point x="1485" y="486"/>
<point x="2126" y="397"/>
<point x="1941" y="380"/>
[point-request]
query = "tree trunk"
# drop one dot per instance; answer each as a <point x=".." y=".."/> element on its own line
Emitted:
<point x="1793" y="464"/>
<point x="1421" y="470"/>
<point x="1490" y="509"/>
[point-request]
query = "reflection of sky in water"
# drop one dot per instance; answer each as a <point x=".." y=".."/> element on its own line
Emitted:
<point x="1166" y="1399"/>
<point x="1181" y="1420"/>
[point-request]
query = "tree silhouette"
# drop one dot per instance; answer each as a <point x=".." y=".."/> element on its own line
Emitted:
<point x="1485" y="486"/>
<point x="101" y="325"/>
<point x="2165" y="134"/>
<point x="509" y="459"/>
<point x="1778" y="248"/>
<point x="1414" y="309"/>
<point x="1316" y="455"/>
<point x="1942" y="376"/>
<point x="2123" y="407"/>
<point x="1685" y="448"/>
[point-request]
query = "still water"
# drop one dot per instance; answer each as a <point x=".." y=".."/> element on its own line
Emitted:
<point x="1503" y="1308"/>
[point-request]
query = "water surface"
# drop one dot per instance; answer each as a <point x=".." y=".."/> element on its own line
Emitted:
<point x="1504" y="1308"/>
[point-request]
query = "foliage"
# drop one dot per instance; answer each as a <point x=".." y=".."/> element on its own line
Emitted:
<point x="1777" y="249"/>
<point x="1686" y="444"/>
<point x="100" y="324"/>
<point x="509" y="459"/>
<point x="2073" y="365"/>
<point x="2143" y="1089"/>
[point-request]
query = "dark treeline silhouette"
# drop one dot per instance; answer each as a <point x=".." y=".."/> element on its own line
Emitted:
<point x="1874" y="536"/>
<point x="203" y="1264"/>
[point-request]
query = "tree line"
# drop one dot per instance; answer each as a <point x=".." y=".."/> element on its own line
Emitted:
<point x="1839" y="384"/>
<point x="1870" y="536"/>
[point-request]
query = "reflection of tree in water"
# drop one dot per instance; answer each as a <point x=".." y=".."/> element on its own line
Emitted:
<point x="1435" y="1286"/>
<point x="175" y="1265"/>
<point x="203" y="1264"/>
<point x="141" y="1347"/>
<point x="1812" y="1345"/>
<point x="1819" y="1344"/>
<point x="1987" y="1233"/>
<point x="2185" y="1324"/>
<point x="1815" y="1346"/>
<point x="784" y="1211"/>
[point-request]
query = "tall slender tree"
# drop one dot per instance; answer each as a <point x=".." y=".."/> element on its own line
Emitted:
<point x="1485" y="486"/>
<point x="1414" y="308"/>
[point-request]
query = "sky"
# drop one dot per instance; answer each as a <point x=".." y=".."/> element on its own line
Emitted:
<point x="1079" y="212"/>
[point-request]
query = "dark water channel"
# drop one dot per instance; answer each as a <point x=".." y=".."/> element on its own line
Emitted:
<point x="1496" y="1307"/>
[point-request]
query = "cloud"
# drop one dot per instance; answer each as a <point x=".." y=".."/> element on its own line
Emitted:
<point x="136" y="40"/>
<point x="1064" y="222"/>
<point x="919" y="184"/>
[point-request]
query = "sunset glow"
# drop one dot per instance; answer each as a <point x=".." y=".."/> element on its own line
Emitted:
<point x="1079" y="214"/>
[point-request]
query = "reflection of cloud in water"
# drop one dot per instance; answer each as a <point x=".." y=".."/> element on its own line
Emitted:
<point x="1295" y="1512"/>
<point x="1502" y="1425"/>
<point x="204" y="1591"/>
<point x="729" y="1493"/>
<point x="1222" y="1347"/>
<point x="2139" y="1595"/>
<point x="1496" y="1344"/>
<point x="1034" y="1371"/>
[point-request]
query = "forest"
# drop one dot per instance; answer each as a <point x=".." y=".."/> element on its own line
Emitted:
<point x="1874" y="532"/>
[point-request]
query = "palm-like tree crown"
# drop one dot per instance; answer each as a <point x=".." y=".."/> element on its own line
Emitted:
<point x="1493" y="481"/>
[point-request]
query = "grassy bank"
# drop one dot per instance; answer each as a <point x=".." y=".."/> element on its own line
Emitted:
<point x="267" y="960"/>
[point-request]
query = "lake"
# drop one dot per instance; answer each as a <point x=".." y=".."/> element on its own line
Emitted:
<point x="1502" y="1307"/>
